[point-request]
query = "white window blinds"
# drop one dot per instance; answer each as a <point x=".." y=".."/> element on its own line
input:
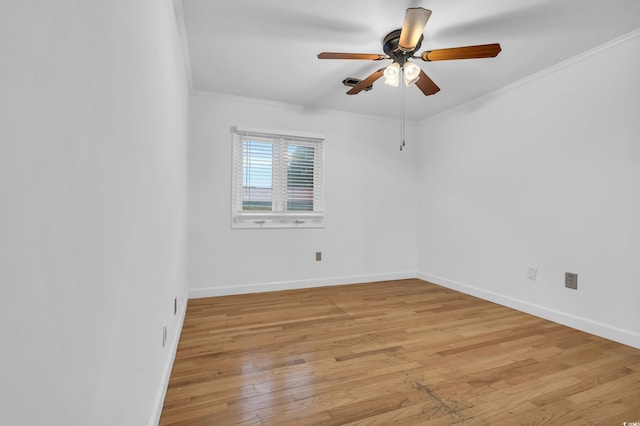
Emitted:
<point x="277" y="179"/>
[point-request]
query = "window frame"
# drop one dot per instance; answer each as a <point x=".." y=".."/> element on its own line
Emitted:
<point x="277" y="218"/>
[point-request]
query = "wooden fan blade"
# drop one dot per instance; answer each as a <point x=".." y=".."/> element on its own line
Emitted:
<point x="363" y="56"/>
<point x="414" y="22"/>
<point x="467" y="52"/>
<point x="366" y="82"/>
<point x="426" y="85"/>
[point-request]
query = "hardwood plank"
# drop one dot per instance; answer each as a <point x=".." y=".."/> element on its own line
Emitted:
<point x="397" y="352"/>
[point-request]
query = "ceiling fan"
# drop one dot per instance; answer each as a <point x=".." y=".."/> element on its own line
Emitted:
<point x="401" y="45"/>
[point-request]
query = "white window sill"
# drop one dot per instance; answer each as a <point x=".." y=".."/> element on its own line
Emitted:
<point x="257" y="220"/>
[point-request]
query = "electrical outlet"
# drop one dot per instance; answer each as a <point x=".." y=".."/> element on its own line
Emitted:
<point x="164" y="335"/>
<point x="571" y="280"/>
<point x="532" y="273"/>
<point x="318" y="256"/>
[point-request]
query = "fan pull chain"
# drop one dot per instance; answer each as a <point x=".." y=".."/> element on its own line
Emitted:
<point x="402" y="114"/>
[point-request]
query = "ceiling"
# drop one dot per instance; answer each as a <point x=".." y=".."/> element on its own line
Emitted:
<point x="267" y="49"/>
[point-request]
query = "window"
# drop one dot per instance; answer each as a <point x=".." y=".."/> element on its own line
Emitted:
<point x="277" y="179"/>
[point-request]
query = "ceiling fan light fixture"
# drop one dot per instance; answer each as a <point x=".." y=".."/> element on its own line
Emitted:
<point x="392" y="74"/>
<point x="411" y="73"/>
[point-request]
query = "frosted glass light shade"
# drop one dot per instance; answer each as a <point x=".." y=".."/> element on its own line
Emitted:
<point x="411" y="73"/>
<point x="392" y="74"/>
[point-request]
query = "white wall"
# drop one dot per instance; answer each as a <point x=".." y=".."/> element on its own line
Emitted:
<point x="93" y="193"/>
<point x="545" y="174"/>
<point x="369" y="192"/>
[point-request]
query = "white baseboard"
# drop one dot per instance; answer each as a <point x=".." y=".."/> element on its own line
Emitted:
<point x="166" y="373"/>
<point x="607" y="331"/>
<point x="196" y="293"/>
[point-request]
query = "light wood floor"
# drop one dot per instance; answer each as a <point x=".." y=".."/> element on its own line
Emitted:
<point x="398" y="352"/>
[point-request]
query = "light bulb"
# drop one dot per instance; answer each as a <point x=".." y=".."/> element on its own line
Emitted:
<point x="392" y="74"/>
<point x="411" y="73"/>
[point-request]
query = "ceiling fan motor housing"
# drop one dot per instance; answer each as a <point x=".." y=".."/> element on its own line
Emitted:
<point x="391" y="48"/>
